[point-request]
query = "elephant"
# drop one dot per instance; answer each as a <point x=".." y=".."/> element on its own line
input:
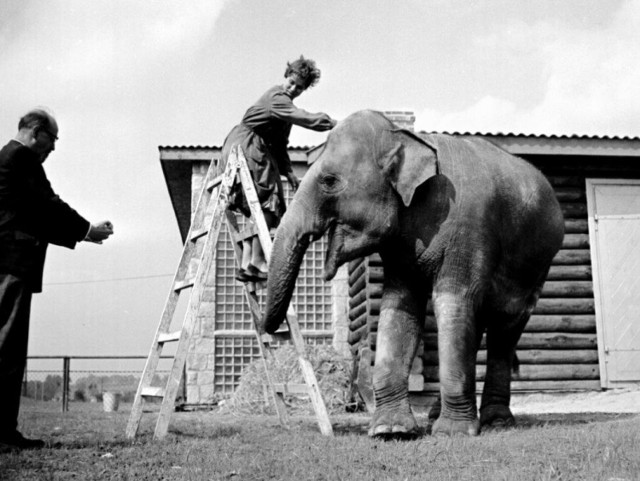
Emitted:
<point x="457" y="220"/>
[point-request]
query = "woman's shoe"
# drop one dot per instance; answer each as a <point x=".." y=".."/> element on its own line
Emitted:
<point x="256" y="273"/>
<point x="243" y="276"/>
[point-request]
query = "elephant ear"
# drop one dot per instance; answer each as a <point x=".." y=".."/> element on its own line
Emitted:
<point x="408" y="163"/>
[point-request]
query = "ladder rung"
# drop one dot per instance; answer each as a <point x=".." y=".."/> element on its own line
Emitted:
<point x="183" y="284"/>
<point x="247" y="233"/>
<point x="169" y="336"/>
<point x="256" y="286"/>
<point x="291" y="388"/>
<point x="214" y="183"/>
<point x="196" y="234"/>
<point x="276" y="336"/>
<point x="152" y="391"/>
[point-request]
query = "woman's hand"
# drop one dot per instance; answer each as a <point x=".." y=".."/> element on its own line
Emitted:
<point x="294" y="182"/>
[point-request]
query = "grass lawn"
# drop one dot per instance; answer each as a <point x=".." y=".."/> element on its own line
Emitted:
<point x="88" y="444"/>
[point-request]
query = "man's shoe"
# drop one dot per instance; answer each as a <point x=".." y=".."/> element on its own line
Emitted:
<point x="16" y="440"/>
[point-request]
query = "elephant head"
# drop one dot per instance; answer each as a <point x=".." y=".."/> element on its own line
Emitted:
<point x="366" y="171"/>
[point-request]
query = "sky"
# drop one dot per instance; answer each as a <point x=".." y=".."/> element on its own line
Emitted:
<point x="124" y="77"/>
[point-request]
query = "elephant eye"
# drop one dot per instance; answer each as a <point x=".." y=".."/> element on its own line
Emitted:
<point x="330" y="183"/>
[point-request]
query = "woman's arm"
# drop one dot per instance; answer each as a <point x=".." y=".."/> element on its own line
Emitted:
<point x="282" y="108"/>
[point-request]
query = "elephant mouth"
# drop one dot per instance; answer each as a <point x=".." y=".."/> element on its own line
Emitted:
<point x="334" y="251"/>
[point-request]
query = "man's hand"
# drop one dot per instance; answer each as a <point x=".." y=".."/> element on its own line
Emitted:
<point x="294" y="182"/>
<point x="99" y="232"/>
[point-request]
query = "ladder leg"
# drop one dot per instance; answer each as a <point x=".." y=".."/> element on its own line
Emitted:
<point x="153" y="359"/>
<point x="219" y="206"/>
<point x="171" y="390"/>
<point x="322" y="415"/>
<point x="208" y="252"/>
<point x="265" y="239"/>
<point x="254" y="308"/>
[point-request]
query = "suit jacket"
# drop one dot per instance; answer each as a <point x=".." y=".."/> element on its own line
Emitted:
<point x="31" y="216"/>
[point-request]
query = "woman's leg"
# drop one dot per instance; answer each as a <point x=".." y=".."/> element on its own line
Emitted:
<point x="246" y="253"/>
<point x="257" y="254"/>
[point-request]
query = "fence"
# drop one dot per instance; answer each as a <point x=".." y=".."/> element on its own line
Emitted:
<point x="65" y="378"/>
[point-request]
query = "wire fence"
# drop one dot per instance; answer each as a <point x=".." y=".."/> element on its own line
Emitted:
<point x="70" y="379"/>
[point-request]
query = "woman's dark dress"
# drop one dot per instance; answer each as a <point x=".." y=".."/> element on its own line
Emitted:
<point x="263" y="135"/>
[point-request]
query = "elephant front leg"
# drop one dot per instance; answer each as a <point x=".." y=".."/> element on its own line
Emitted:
<point x="457" y="349"/>
<point x="397" y="342"/>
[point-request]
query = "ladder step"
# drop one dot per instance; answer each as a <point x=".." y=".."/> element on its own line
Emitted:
<point x="152" y="391"/>
<point x="256" y="286"/>
<point x="180" y="285"/>
<point x="214" y="183"/>
<point x="291" y="388"/>
<point x="169" y="336"/>
<point x="247" y="233"/>
<point x="196" y="234"/>
<point x="276" y="336"/>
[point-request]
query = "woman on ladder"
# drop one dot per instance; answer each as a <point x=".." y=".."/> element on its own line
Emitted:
<point x="263" y="135"/>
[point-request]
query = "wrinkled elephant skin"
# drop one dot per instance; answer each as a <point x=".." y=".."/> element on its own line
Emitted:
<point x="458" y="221"/>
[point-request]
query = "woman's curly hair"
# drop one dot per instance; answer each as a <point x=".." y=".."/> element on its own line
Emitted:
<point x="306" y="69"/>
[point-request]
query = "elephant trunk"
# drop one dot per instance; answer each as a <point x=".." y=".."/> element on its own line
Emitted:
<point x="295" y="233"/>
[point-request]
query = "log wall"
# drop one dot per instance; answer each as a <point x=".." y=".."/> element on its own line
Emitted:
<point x="558" y="349"/>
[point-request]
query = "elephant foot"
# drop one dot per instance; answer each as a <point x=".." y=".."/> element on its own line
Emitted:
<point x="393" y="424"/>
<point x="496" y="416"/>
<point x="450" y="427"/>
<point x="434" y="411"/>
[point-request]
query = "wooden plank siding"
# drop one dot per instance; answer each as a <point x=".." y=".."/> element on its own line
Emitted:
<point x="558" y="349"/>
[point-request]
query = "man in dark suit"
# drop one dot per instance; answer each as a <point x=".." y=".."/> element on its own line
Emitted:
<point x="31" y="217"/>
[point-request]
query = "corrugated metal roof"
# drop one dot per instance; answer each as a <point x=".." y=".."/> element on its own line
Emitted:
<point x="540" y="136"/>
<point x="477" y="134"/>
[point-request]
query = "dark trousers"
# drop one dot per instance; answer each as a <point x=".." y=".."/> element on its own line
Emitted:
<point x="15" y="308"/>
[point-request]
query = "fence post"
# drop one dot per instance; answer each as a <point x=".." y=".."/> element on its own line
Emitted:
<point x="66" y="361"/>
<point x="25" y="382"/>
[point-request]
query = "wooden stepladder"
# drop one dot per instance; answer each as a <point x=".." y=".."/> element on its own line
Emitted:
<point x="206" y="224"/>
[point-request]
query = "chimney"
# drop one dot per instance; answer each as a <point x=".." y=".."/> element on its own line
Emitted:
<point x="403" y="119"/>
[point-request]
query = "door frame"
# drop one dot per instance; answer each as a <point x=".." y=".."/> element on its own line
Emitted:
<point x="591" y="184"/>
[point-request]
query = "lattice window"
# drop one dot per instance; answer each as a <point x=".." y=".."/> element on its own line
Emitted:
<point x="311" y="298"/>
<point x="234" y="353"/>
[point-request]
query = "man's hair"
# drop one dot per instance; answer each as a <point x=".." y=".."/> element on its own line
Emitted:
<point x="38" y="118"/>
<point x="306" y="69"/>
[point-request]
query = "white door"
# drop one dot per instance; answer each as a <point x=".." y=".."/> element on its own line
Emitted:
<point x="614" y="232"/>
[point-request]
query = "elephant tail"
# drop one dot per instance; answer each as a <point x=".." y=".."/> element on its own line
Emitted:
<point x="515" y="365"/>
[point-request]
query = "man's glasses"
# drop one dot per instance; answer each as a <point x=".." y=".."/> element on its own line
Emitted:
<point x="51" y="136"/>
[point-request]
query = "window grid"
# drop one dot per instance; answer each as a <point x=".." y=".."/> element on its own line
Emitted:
<point x="233" y="354"/>
<point x="311" y="299"/>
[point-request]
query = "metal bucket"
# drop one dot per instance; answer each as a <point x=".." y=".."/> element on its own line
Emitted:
<point x="110" y="401"/>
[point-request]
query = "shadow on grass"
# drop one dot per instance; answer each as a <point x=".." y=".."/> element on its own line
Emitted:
<point x="528" y="421"/>
<point x="214" y="433"/>
<point x="523" y="422"/>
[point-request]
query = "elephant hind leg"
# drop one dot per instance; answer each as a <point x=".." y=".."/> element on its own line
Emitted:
<point x="503" y="332"/>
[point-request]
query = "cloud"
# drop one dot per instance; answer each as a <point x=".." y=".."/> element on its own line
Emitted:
<point x="72" y="43"/>
<point x="591" y="82"/>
